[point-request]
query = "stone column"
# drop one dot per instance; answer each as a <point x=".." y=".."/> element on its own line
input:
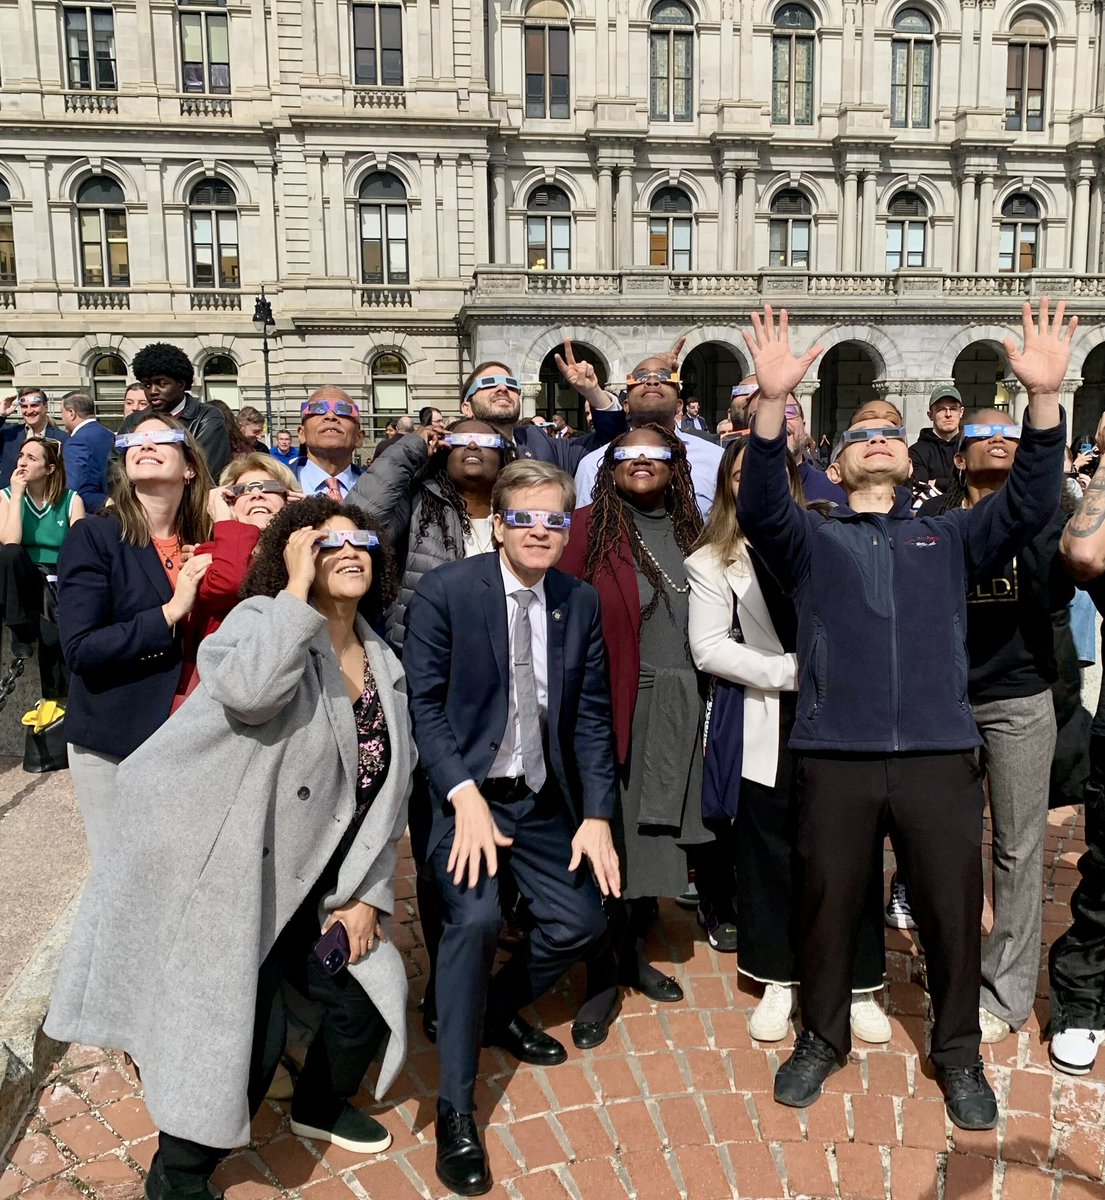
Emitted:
<point x="984" y="262"/>
<point x="867" y="242"/>
<point x="450" y="211"/>
<point x="727" y="219"/>
<point x="747" y="219"/>
<point x="1083" y="56"/>
<point x="986" y="96"/>
<point x="427" y="168"/>
<point x="1080" y="226"/>
<point x="157" y="270"/>
<point x="479" y="203"/>
<point x="968" y="60"/>
<point x="604" y="223"/>
<point x="867" y="80"/>
<point x="965" y="264"/>
<point x="848" y="223"/>
<point x="43" y="241"/>
<point x="337" y="236"/>
<point x="500" y="243"/>
<point x="625" y="218"/>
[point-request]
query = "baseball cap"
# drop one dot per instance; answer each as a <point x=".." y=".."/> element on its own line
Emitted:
<point x="945" y="392"/>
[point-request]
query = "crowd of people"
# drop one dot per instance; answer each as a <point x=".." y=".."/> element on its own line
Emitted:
<point x="586" y="672"/>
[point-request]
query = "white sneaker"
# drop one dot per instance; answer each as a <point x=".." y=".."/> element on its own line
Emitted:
<point x="994" y="1029"/>
<point x="1074" y="1050"/>
<point x="868" y="1021"/>
<point x="771" y="1020"/>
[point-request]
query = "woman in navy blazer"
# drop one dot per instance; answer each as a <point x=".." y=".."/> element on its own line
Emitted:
<point x="123" y="593"/>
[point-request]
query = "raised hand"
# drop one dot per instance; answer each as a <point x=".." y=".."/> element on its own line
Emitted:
<point x="1042" y="364"/>
<point x="579" y="375"/>
<point x="673" y="354"/>
<point x="778" y="372"/>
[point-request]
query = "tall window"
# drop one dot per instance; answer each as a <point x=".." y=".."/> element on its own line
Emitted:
<point x="220" y="380"/>
<point x="109" y="383"/>
<point x="384" y="256"/>
<point x="669" y="230"/>
<point x="90" y="48"/>
<point x="671" y="62"/>
<point x="378" y="45"/>
<point x="789" y="230"/>
<point x="213" y="212"/>
<point x="911" y="71"/>
<point x="205" y="53"/>
<point x="389" y="384"/>
<point x="1025" y="75"/>
<point x="1019" y="241"/>
<point x="105" y="260"/>
<point x="792" y="66"/>
<point x="549" y="229"/>
<point x="7" y="237"/>
<point x="906" y="231"/>
<point x="546" y="35"/>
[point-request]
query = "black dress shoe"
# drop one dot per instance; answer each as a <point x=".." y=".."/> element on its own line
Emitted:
<point x="968" y="1096"/>
<point x="461" y="1161"/>
<point x="527" y="1044"/>
<point x="429" y="1026"/>
<point x="588" y="1034"/>
<point x="663" y="988"/>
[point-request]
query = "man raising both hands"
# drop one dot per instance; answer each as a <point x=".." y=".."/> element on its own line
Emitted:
<point x="885" y="741"/>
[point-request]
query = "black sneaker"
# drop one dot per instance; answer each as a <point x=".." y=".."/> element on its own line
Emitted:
<point x="798" y="1081"/>
<point x="722" y="935"/>
<point x="352" y="1130"/>
<point x="968" y="1096"/>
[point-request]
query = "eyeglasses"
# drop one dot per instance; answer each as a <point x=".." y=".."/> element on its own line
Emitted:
<point x="259" y="485"/>
<point x="334" y="539"/>
<point x="487" y="441"/>
<point x="319" y="408"/>
<point x="743" y="389"/>
<point x="490" y="381"/>
<point x="632" y="453"/>
<point x="1009" y="432"/>
<point x="869" y="434"/>
<point x="527" y="518"/>
<point x="652" y="377"/>
<point x="163" y="437"/>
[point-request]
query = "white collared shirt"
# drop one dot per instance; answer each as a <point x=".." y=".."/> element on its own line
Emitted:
<point x="313" y="479"/>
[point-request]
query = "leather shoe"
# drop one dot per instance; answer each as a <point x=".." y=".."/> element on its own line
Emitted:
<point x="664" y="988"/>
<point x="588" y="1034"/>
<point x="461" y="1161"/>
<point x="527" y="1044"/>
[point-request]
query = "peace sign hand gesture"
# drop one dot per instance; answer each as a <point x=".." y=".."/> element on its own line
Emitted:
<point x="1042" y="364"/>
<point x="580" y="375"/>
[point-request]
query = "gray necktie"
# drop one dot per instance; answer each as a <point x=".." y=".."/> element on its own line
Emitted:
<point x="529" y="715"/>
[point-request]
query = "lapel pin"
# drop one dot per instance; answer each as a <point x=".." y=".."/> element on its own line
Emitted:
<point x="557" y="615"/>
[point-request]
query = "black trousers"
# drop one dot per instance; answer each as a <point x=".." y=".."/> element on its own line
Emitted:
<point x="21" y="588"/>
<point x="345" y="1044"/>
<point x="931" y="805"/>
<point x="568" y="917"/>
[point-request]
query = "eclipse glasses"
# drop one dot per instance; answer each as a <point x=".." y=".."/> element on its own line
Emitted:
<point x="486" y="441"/>
<point x="319" y="408"/>
<point x="973" y="432"/>
<point x="163" y="437"/>
<point x="334" y="539"/>
<point x="490" y="381"/>
<point x="528" y="518"/>
<point x="258" y="485"/>
<point x="632" y="453"/>
<point x="869" y="434"/>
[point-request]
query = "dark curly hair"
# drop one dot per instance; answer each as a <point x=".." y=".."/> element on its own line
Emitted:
<point x="435" y="503"/>
<point x="612" y="522"/>
<point x="268" y="574"/>
<point x="161" y="358"/>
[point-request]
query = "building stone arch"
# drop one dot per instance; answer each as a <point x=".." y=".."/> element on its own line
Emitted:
<point x="394" y="164"/>
<point x="936" y="11"/>
<point x="1049" y="14"/>
<point x="794" y="179"/>
<point x="191" y="174"/>
<point x="84" y="352"/>
<point x="81" y="169"/>
<point x="719" y="335"/>
<point x="13" y="349"/>
<point x="382" y="341"/>
<point x="884" y="352"/>
<point x="944" y="360"/>
<point x="825" y="13"/>
<point x="920" y="184"/>
<point x="1042" y="193"/>
<point x="550" y="339"/>
<point x="557" y="175"/>
<point x="676" y="177"/>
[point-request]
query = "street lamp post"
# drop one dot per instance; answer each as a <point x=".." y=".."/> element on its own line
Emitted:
<point x="265" y="325"/>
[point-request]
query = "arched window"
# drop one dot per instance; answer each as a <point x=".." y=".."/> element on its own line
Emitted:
<point x="546" y="34"/>
<point x="789" y="230"/>
<point x="671" y="62"/>
<point x="7" y="237"/>
<point x="911" y="71"/>
<point x="1026" y="74"/>
<point x="669" y="230"/>
<point x="105" y="260"/>
<point x="792" y="66"/>
<point x="1019" y="241"/>
<point x="389" y="384"/>
<point x="384" y="256"/>
<point x="906" y="232"/>
<point x="90" y="47"/>
<point x="7" y="373"/>
<point x="213" y="211"/>
<point x="549" y="229"/>
<point x="109" y="383"/>
<point x="220" y="379"/>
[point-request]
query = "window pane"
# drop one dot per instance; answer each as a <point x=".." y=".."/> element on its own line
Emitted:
<point x="218" y="40"/>
<point x="561" y="229"/>
<point x="191" y="36"/>
<point x="681" y="235"/>
<point x="391" y="394"/>
<point x="364" y="45"/>
<point x="799" y="237"/>
<point x="1027" y="248"/>
<point x="116" y="226"/>
<point x="535" y="51"/>
<point x="559" y="105"/>
<point x="92" y="262"/>
<point x="899" y="67"/>
<point x="203" y="259"/>
<point x="397" y="222"/>
<point x="536" y="250"/>
<point x="202" y="228"/>
<point x="7" y="247"/>
<point x="922" y="84"/>
<point x="372" y="262"/>
<point x="558" y="52"/>
<point x="391" y="27"/>
<point x="681" y="260"/>
<point x="1036" y="58"/>
<point x="228" y="229"/>
<point x="894" y="237"/>
<point x="657" y="243"/>
<point x="803" y="81"/>
<point x="682" y="70"/>
<point x="228" y="265"/>
<point x="780" y="77"/>
<point x="658" y="58"/>
<point x="103" y="47"/>
<point x="371" y="225"/>
<point x="397" y="262"/>
<point x="118" y="264"/>
<point x="1005" y="247"/>
<point x="916" y="253"/>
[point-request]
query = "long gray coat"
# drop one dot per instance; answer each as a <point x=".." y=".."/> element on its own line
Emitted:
<point x="225" y="819"/>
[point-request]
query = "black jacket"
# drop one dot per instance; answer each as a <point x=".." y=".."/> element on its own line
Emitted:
<point x="206" y="425"/>
<point x="933" y="458"/>
<point x="12" y="436"/>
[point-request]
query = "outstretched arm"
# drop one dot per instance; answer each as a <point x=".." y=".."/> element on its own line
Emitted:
<point x="778" y="371"/>
<point x="1042" y="363"/>
<point x="1083" y="542"/>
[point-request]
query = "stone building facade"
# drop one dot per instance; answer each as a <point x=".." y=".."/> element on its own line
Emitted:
<point x="424" y="184"/>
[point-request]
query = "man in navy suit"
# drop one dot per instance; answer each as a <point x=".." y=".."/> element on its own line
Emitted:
<point x="511" y="714"/>
<point x="331" y="424"/>
<point x="87" y="450"/>
<point x="34" y="411"/>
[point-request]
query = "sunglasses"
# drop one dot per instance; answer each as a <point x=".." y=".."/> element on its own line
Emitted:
<point x="259" y="485"/>
<point x="849" y="436"/>
<point x="652" y="377"/>
<point x="632" y="453"/>
<point x="527" y="518"/>
<point x="164" y="437"/>
<point x="487" y="441"/>
<point x="319" y="408"/>
<point x="490" y="381"/>
<point x="1009" y="432"/>
<point x="334" y="539"/>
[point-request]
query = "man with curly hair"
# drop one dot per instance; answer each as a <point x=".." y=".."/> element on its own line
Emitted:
<point x="166" y="374"/>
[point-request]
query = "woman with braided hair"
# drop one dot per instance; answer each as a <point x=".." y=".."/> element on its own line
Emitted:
<point x="630" y="543"/>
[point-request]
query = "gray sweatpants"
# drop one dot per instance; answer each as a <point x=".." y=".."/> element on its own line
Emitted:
<point x="1020" y="741"/>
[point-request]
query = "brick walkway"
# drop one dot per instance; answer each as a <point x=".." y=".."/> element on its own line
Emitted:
<point x="677" y="1103"/>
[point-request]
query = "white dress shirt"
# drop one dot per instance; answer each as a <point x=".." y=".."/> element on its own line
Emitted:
<point x="313" y="479"/>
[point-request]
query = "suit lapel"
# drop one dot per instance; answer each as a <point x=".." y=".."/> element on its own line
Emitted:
<point x="556" y="625"/>
<point x="150" y="562"/>
<point x="751" y="606"/>
<point x="335" y="701"/>
<point x="494" y="611"/>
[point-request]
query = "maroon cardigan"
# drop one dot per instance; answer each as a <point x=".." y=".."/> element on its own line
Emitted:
<point x="620" y="601"/>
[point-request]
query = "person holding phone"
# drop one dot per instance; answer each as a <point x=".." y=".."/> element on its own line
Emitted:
<point x="278" y="869"/>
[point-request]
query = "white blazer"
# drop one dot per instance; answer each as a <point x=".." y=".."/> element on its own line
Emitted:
<point x="758" y="662"/>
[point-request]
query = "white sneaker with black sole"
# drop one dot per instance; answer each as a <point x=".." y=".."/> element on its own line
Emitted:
<point x="1074" y="1050"/>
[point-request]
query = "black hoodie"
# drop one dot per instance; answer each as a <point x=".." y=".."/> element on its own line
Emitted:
<point x="933" y="458"/>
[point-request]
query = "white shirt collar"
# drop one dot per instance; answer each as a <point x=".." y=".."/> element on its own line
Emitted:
<point x="511" y="582"/>
<point x="81" y="424"/>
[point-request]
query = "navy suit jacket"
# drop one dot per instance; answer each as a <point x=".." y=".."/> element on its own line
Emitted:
<point x="456" y="658"/>
<point x="86" y="454"/>
<point x="566" y="453"/>
<point x="124" y="658"/>
<point x="13" y="433"/>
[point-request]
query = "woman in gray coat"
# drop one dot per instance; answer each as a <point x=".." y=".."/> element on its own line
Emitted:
<point x="259" y="817"/>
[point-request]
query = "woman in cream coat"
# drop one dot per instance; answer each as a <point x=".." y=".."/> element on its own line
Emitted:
<point x="742" y="629"/>
<point x="266" y="810"/>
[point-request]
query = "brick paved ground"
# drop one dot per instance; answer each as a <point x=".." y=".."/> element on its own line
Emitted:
<point x="676" y="1104"/>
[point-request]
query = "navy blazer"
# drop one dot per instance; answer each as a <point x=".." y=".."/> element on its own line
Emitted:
<point x="456" y="658"/>
<point x="13" y="433"/>
<point x="86" y="453"/>
<point x="124" y="658"/>
<point x="567" y="453"/>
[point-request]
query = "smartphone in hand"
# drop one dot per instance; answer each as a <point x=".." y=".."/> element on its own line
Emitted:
<point x="332" y="949"/>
